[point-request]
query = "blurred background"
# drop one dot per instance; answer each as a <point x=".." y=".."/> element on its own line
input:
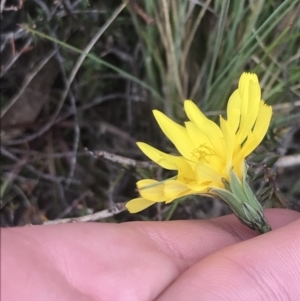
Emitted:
<point x="79" y="80"/>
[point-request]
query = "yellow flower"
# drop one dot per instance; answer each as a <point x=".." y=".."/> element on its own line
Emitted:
<point x="210" y="155"/>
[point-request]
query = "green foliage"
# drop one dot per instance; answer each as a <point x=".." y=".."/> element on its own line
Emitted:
<point x="180" y="63"/>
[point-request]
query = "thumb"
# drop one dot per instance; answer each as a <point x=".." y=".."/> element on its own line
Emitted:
<point x="266" y="267"/>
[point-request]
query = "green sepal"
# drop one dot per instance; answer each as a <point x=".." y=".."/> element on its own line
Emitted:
<point x="237" y="186"/>
<point x="243" y="202"/>
<point x="226" y="184"/>
<point x="248" y="191"/>
<point x="234" y="203"/>
<point x="250" y="196"/>
<point x="258" y="221"/>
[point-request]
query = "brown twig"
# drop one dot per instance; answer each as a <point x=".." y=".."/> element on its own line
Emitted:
<point x="119" y="159"/>
<point x="118" y="207"/>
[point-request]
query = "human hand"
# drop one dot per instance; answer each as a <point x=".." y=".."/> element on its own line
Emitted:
<point x="217" y="259"/>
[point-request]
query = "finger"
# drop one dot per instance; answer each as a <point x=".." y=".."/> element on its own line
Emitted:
<point x="266" y="267"/>
<point x="142" y="258"/>
<point x="187" y="242"/>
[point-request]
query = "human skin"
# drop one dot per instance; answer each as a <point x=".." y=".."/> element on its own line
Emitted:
<point x="218" y="259"/>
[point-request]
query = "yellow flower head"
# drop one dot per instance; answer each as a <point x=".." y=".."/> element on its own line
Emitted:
<point x="208" y="152"/>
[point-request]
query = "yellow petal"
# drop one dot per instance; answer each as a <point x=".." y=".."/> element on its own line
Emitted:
<point x="151" y="190"/>
<point x="198" y="137"/>
<point x="204" y="149"/>
<point x="263" y="121"/>
<point x="238" y="167"/>
<point x="246" y="80"/>
<point x="259" y="131"/>
<point x="196" y="116"/>
<point x="234" y="110"/>
<point x="199" y="188"/>
<point x="211" y="130"/>
<point x="230" y="141"/>
<point x="175" y="132"/>
<point x="205" y="173"/>
<point x="146" y="183"/>
<point x="250" y="94"/>
<point x="185" y="172"/>
<point x="157" y="156"/>
<point x="174" y="189"/>
<point x="138" y="204"/>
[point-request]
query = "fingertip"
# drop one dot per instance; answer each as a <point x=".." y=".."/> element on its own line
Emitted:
<point x="263" y="268"/>
<point x="277" y="218"/>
